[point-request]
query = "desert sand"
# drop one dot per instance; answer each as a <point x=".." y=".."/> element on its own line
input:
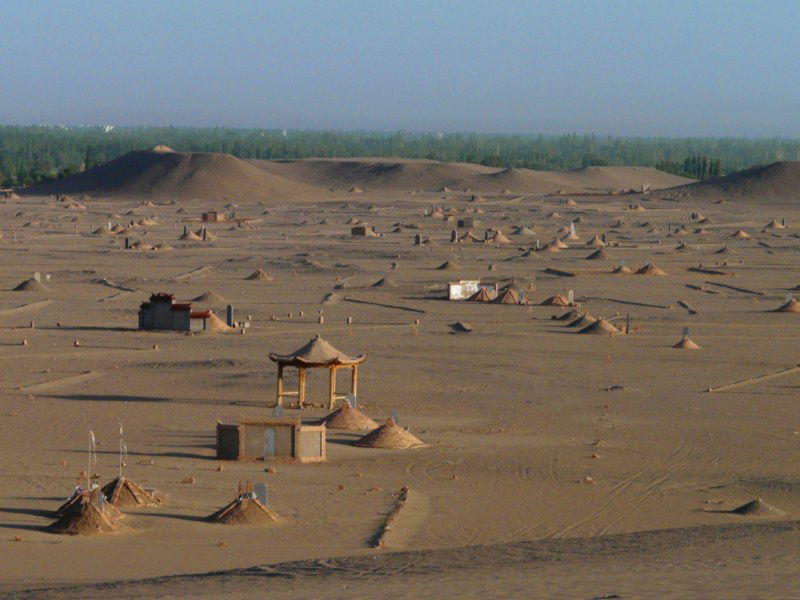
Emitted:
<point x="552" y="464"/>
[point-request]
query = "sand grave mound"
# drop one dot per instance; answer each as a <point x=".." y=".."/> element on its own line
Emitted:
<point x="83" y="517"/>
<point x="390" y="436"/>
<point x="347" y="417"/>
<point x="122" y="492"/>
<point x="740" y="234"/>
<point x="599" y="254"/>
<point x="31" y="285"/>
<point x="758" y="508"/>
<point x="210" y="296"/>
<point x="190" y="236"/>
<point x="792" y="306"/>
<point x="583" y="321"/>
<point x="385" y="282"/>
<point x="595" y="242"/>
<point x="601" y="327"/>
<point x="651" y="269"/>
<point x="524" y="230"/>
<point x="259" y="275"/>
<point x="245" y="510"/>
<point x="570" y="314"/>
<point x="557" y="300"/>
<point x="217" y="325"/>
<point x="332" y="298"/>
<point x="163" y="247"/>
<point x="449" y="265"/>
<point x="686" y="344"/>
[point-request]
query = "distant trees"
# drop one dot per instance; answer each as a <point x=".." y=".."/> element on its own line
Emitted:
<point x="30" y="154"/>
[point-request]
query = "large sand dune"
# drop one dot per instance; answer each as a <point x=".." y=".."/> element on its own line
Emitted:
<point x="430" y="175"/>
<point x="776" y="181"/>
<point x="180" y="175"/>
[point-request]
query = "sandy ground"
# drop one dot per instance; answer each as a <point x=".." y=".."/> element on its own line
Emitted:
<point x="536" y="434"/>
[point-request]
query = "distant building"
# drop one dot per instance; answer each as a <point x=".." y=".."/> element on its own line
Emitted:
<point x="465" y="288"/>
<point x="274" y="439"/>
<point x="466" y="222"/>
<point x="161" y="312"/>
<point x="212" y="216"/>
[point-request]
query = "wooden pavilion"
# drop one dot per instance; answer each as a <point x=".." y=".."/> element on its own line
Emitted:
<point x="317" y="353"/>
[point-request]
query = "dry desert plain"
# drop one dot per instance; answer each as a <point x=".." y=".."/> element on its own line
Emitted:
<point x="557" y="464"/>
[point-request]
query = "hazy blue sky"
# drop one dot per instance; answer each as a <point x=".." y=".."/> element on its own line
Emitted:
<point x="675" y="67"/>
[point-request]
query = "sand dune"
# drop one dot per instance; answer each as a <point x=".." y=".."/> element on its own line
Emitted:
<point x="776" y="181"/>
<point x="177" y="175"/>
<point x="429" y="175"/>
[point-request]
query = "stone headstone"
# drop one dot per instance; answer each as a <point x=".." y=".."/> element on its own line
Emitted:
<point x="277" y="411"/>
<point x="685" y="332"/>
<point x="260" y="490"/>
<point x="395" y="415"/>
<point x="351" y="400"/>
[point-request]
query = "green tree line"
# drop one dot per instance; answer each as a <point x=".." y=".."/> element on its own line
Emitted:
<point x="31" y="154"/>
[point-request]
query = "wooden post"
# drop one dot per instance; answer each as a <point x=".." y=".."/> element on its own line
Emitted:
<point x="354" y="381"/>
<point x="280" y="385"/>
<point x="332" y="390"/>
<point x="301" y="394"/>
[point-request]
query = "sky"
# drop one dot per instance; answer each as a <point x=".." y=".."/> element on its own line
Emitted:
<point x="612" y="67"/>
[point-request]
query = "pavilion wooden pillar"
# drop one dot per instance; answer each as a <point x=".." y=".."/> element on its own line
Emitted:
<point x="301" y="393"/>
<point x="280" y="385"/>
<point x="332" y="389"/>
<point x="354" y="381"/>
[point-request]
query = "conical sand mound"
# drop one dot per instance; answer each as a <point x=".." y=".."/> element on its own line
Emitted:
<point x="385" y="282"/>
<point x="583" y="321"/>
<point x="499" y="238"/>
<point x="741" y="234"/>
<point x="601" y="327"/>
<point x="163" y="247"/>
<point x="622" y="270"/>
<point x="84" y="518"/>
<point x="599" y="254"/>
<point x="389" y="435"/>
<point x="217" y="324"/>
<point x="245" y="510"/>
<point x="758" y="508"/>
<point x="524" y="230"/>
<point x="559" y="244"/>
<point x="686" y="344"/>
<point x="190" y="236"/>
<point x="348" y="417"/>
<point x="211" y="296"/>
<point x="792" y="306"/>
<point x="651" y="269"/>
<point x="557" y="300"/>
<point x="775" y="224"/>
<point x="259" y="275"/>
<point x="595" y="242"/>
<point x="461" y="327"/>
<point x="31" y="285"/>
<point x="570" y="314"/>
<point x="449" y="265"/>
<point x="123" y="493"/>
